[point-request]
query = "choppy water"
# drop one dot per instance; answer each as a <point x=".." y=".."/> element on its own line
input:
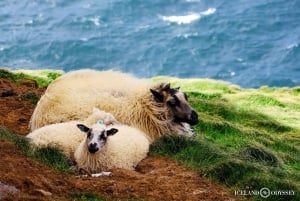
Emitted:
<point x="250" y="43"/>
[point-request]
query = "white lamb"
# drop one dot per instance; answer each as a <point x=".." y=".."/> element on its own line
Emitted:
<point x="108" y="147"/>
<point x="66" y="136"/>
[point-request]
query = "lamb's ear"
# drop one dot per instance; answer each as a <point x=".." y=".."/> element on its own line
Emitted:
<point x="158" y="96"/>
<point x="111" y="131"/>
<point x="95" y="110"/>
<point x="83" y="128"/>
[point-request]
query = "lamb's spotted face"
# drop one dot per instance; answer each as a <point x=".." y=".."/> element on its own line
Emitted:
<point x="96" y="140"/>
<point x="96" y="137"/>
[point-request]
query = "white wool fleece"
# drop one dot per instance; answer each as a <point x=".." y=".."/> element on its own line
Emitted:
<point x="125" y="149"/>
<point x="67" y="136"/>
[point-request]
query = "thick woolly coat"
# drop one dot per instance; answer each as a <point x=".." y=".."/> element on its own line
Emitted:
<point x="66" y="136"/>
<point x="124" y="150"/>
<point x="129" y="99"/>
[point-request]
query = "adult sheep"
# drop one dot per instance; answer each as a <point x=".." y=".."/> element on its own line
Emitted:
<point x="108" y="147"/>
<point x="66" y="135"/>
<point x="156" y="109"/>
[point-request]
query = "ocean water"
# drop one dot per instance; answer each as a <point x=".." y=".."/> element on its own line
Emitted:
<point x="246" y="42"/>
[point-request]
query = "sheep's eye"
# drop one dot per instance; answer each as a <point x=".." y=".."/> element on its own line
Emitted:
<point x="173" y="102"/>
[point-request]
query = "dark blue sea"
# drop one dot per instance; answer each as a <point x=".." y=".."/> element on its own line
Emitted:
<point x="246" y="42"/>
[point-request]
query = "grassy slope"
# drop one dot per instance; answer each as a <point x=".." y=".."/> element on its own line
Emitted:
<point x="246" y="139"/>
<point x="51" y="156"/>
<point x="42" y="77"/>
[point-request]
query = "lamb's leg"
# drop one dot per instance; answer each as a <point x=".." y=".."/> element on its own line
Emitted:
<point x="87" y="173"/>
<point x="84" y="171"/>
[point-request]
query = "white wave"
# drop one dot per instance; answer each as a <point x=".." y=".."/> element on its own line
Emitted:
<point x="29" y="22"/>
<point x="183" y="19"/>
<point x="292" y="46"/>
<point x="84" y="39"/>
<point x="142" y="28"/>
<point x="95" y="20"/>
<point x="239" y="59"/>
<point x="36" y="19"/>
<point x="2" y="48"/>
<point x="187" y="35"/>
<point x="209" y="11"/>
<point x="192" y="1"/>
<point x="187" y="19"/>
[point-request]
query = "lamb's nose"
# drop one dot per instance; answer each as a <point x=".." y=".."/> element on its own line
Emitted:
<point x="93" y="144"/>
<point x="93" y="148"/>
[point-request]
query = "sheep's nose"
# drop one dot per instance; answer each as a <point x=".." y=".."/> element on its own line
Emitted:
<point x="93" y="148"/>
<point x="194" y="118"/>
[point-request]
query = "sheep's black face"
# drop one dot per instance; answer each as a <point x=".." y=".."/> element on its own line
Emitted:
<point x="180" y="108"/>
<point x="96" y="137"/>
<point x="177" y="103"/>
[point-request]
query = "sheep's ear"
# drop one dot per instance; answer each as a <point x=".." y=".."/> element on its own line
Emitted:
<point x="166" y="87"/>
<point x="112" y="131"/>
<point x="158" y="96"/>
<point x="83" y="128"/>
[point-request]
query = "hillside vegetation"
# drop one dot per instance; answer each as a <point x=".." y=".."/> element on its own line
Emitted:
<point x="247" y="139"/>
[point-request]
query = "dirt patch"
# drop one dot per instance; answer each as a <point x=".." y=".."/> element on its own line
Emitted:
<point x="156" y="178"/>
<point x="15" y="112"/>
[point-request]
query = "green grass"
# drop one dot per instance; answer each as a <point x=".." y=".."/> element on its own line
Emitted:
<point x="246" y="138"/>
<point x="32" y="97"/>
<point x="42" y="77"/>
<point x="51" y="156"/>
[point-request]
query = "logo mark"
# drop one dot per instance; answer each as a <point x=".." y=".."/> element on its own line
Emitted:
<point x="264" y="192"/>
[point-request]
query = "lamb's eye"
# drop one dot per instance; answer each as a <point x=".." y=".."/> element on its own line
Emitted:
<point x="89" y="135"/>
<point x="102" y="136"/>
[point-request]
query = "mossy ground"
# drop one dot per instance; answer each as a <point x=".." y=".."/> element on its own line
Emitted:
<point x="42" y="77"/>
<point x="247" y="139"/>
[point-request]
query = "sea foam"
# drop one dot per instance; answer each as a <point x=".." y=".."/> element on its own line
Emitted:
<point x="183" y="19"/>
<point x="192" y="1"/>
<point x="96" y="20"/>
<point x="187" y="19"/>
<point x="209" y="11"/>
<point x="292" y="46"/>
